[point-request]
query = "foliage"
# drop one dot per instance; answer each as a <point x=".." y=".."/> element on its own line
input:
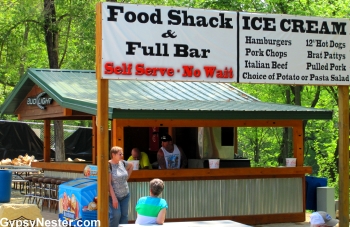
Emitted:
<point x="260" y="145"/>
<point x="321" y="137"/>
<point x="22" y="45"/>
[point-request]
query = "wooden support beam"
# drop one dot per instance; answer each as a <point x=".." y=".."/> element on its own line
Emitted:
<point x="221" y="173"/>
<point x="206" y="123"/>
<point x="114" y="133"/>
<point x="94" y="141"/>
<point x="343" y="102"/>
<point x="74" y="167"/>
<point x="67" y="112"/>
<point x="120" y="137"/>
<point x="102" y="127"/>
<point x="298" y="143"/>
<point x="47" y="147"/>
<point x="102" y="151"/>
<point x="190" y="174"/>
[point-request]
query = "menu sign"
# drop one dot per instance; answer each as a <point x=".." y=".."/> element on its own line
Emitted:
<point x="282" y="49"/>
<point x="143" y="42"/>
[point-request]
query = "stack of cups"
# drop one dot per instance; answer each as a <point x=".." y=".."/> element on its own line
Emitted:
<point x="136" y="164"/>
<point x="291" y="162"/>
<point x="214" y="163"/>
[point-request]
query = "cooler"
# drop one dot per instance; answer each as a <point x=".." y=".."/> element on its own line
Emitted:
<point x="78" y="201"/>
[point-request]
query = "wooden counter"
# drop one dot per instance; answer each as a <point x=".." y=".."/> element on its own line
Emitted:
<point x="188" y="174"/>
<point x="61" y="166"/>
<point x="216" y="174"/>
<point x="247" y="195"/>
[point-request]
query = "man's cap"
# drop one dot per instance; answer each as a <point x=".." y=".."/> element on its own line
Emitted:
<point x="321" y="217"/>
<point x="165" y="138"/>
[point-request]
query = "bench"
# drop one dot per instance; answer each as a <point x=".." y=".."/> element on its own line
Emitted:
<point x="218" y="223"/>
<point x="22" y="184"/>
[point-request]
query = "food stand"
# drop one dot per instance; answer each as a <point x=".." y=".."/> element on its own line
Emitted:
<point x="247" y="195"/>
<point x="230" y="45"/>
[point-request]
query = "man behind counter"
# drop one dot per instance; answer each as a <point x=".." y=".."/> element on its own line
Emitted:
<point x="170" y="156"/>
<point x="142" y="157"/>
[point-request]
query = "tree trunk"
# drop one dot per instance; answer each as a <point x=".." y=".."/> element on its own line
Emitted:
<point x="24" y="55"/>
<point x="297" y="95"/>
<point x="256" y="147"/>
<point x="51" y="40"/>
<point x="51" y="33"/>
<point x="59" y="141"/>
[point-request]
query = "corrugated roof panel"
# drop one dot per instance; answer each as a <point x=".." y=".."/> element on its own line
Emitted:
<point x="174" y="91"/>
<point x="168" y="90"/>
<point x="162" y="90"/>
<point x="202" y="105"/>
<point x="222" y="91"/>
<point x="197" y="93"/>
<point x="195" y="88"/>
<point x="77" y="89"/>
<point x="83" y="85"/>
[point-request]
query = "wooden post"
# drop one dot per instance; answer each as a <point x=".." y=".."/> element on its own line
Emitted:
<point x="343" y="100"/>
<point x="110" y="134"/>
<point x="102" y="151"/>
<point x="47" y="147"/>
<point x="120" y="136"/>
<point x="102" y="127"/>
<point x="117" y="135"/>
<point x="298" y="143"/>
<point x="94" y="140"/>
<point x="114" y="133"/>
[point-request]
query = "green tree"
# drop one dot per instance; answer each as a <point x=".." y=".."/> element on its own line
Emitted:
<point x="52" y="35"/>
<point x="61" y="34"/>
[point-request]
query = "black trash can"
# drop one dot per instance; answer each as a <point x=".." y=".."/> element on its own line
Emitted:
<point x="5" y="189"/>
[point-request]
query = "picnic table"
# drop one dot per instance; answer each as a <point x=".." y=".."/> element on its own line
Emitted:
<point x="218" y="223"/>
<point x="19" y="174"/>
<point x="14" y="167"/>
<point x="23" y="172"/>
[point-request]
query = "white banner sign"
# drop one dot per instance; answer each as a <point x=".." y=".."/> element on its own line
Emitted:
<point x="143" y="42"/>
<point x="282" y="49"/>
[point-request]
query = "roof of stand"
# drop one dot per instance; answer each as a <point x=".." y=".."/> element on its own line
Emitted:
<point x="130" y="99"/>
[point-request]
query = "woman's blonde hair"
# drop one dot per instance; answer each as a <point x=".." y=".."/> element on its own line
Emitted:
<point x="115" y="150"/>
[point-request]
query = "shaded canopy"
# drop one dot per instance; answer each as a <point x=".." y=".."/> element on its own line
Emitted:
<point x="17" y="138"/>
<point x="79" y="144"/>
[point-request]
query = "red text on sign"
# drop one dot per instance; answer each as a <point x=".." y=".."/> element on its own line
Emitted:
<point x="219" y="73"/>
<point x="189" y="72"/>
<point x="124" y="69"/>
<point x="153" y="71"/>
